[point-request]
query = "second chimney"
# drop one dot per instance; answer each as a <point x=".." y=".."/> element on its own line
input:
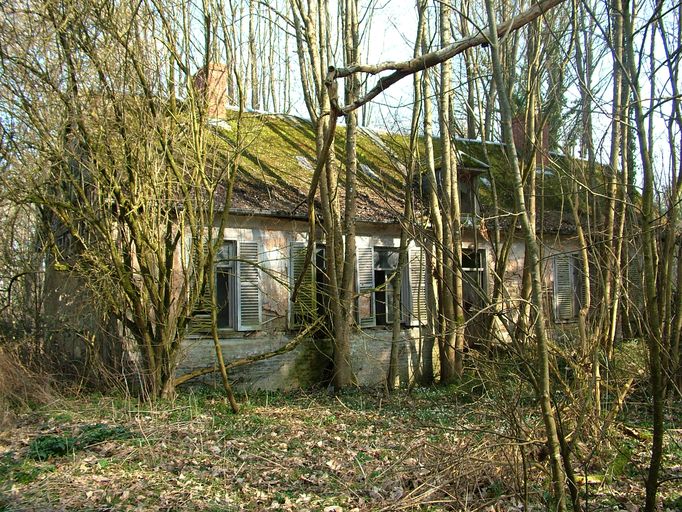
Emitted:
<point x="211" y="83"/>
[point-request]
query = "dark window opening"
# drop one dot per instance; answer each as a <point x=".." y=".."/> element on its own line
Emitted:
<point x="321" y="280"/>
<point x="225" y="286"/>
<point x="385" y="266"/>
<point x="473" y="274"/>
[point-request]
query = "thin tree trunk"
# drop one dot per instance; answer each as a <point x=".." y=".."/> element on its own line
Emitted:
<point x="649" y="245"/>
<point x="452" y="347"/>
<point x="392" y="378"/>
<point x="532" y="254"/>
<point x="253" y="64"/>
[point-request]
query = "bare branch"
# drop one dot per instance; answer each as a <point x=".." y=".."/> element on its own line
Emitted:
<point x="408" y="67"/>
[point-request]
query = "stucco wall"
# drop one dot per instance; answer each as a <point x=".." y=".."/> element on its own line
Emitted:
<point x="309" y="364"/>
<point x="71" y="318"/>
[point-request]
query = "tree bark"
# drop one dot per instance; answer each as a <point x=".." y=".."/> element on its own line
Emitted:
<point x="532" y="254"/>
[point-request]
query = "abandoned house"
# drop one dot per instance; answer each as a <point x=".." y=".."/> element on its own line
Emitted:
<point x="266" y="238"/>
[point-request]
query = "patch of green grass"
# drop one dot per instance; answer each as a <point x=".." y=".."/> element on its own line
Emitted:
<point x="94" y="434"/>
<point x="282" y="496"/>
<point x="28" y="472"/>
<point x="7" y="463"/>
<point x="622" y="462"/>
<point x="54" y="445"/>
<point x="496" y="489"/>
<point x="50" y="445"/>
<point x="295" y="444"/>
<point x="673" y="503"/>
<point x="62" y="417"/>
<point x="363" y="458"/>
<point x="268" y="399"/>
<point x="4" y="502"/>
<point x="22" y="471"/>
<point x="232" y="427"/>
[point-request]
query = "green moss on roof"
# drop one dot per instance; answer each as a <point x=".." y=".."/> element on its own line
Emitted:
<point x="553" y="183"/>
<point x="277" y="157"/>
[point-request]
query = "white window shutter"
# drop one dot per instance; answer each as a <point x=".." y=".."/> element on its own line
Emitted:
<point x="365" y="283"/>
<point x="305" y="307"/>
<point x="417" y="278"/>
<point x="564" y="292"/>
<point x="249" y="316"/>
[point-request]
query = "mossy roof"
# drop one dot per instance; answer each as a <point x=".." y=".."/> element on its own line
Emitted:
<point x="277" y="159"/>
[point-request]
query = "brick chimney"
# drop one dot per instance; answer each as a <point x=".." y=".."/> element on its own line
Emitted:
<point x="211" y="83"/>
<point x="519" y="132"/>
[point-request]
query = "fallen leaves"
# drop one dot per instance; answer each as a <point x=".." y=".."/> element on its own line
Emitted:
<point x="306" y="454"/>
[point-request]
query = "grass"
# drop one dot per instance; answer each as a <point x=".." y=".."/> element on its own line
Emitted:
<point x="426" y="450"/>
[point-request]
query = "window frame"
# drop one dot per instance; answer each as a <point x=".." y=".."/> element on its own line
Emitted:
<point x="413" y="293"/>
<point x="244" y="297"/>
<point x="480" y="269"/>
<point x="305" y="309"/>
<point x="567" y="286"/>
<point x="229" y="265"/>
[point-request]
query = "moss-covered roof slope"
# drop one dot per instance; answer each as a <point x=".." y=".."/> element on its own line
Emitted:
<point x="277" y="157"/>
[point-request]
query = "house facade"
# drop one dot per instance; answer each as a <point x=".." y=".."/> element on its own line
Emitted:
<point x="262" y="258"/>
<point x="263" y="250"/>
<point x="260" y="261"/>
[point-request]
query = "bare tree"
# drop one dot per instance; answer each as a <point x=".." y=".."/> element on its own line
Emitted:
<point x="532" y="256"/>
<point x="131" y="171"/>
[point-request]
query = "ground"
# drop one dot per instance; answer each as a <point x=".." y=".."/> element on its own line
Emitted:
<point x="430" y="449"/>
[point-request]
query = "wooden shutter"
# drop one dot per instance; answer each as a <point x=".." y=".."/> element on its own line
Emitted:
<point x="249" y="316"/>
<point x="579" y="282"/>
<point x="201" y="316"/>
<point x="305" y="307"/>
<point x="564" y="293"/>
<point x="417" y="280"/>
<point x="365" y="283"/>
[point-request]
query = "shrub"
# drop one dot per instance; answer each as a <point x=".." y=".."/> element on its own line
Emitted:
<point x="20" y="387"/>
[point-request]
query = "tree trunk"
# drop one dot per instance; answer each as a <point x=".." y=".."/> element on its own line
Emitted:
<point x="532" y="255"/>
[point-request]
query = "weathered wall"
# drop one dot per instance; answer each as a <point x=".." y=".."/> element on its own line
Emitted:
<point x="73" y="322"/>
<point x="309" y="364"/>
<point x="513" y="281"/>
<point x="79" y="334"/>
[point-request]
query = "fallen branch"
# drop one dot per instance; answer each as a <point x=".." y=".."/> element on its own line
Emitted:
<point x="288" y="347"/>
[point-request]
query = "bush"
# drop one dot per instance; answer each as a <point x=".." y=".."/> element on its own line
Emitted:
<point x="53" y="445"/>
<point x="20" y="387"/>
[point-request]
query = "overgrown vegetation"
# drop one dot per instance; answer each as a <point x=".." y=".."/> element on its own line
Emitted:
<point x="461" y="447"/>
<point x="20" y="386"/>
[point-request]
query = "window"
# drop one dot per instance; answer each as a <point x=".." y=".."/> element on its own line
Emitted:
<point x="237" y="290"/>
<point x="385" y="266"/>
<point x="365" y="284"/>
<point x="321" y="280"/>
<point x="376" y="269"/>
<point x="468" y="190"/>
<point x="225" y="285"/>
<point x="568" y="287"/>
<point x="474" y="279"/>
<point x="311" y="298"/>
<point x="467" y="198"/>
